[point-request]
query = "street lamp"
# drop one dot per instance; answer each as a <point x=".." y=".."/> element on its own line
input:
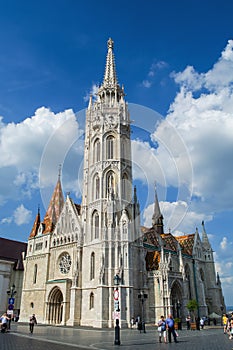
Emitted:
<point x="178" y="306"/>
<point x="142" y="296"/>
<point x="11" y="301"/>
<point x="11" y="292"/>
<point x="116" y="281"/>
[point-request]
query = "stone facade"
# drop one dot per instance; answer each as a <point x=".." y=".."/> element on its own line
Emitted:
<point x="77" y="252"/>
<point x="11" y="273"/>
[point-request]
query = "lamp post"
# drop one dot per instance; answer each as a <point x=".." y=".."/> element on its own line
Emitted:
<point x="178" y="306"/>
<point x="11" y="301"/>
<point x="11" y="292"/>
<point x="116" y="281"/>
<point x="142" y="296"/>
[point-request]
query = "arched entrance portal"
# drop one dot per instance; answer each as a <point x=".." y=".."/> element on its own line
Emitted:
<point x="176" y="300"/>
<point x="55" y="306"/>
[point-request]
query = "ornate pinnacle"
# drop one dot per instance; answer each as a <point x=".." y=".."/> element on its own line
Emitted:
<point x="110" y="43"/>
<point x="110" y="79"/>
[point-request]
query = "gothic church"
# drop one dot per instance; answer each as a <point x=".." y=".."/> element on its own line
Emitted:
<point x="79" y="252"/>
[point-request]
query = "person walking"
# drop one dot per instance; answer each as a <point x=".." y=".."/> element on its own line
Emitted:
<point x="32" y="322"/>
<point x="224" y="322"/>
<point x="170" y="324"/>
<point x="188" y="321"/>
<point x="4" y="322"/>
<point x="162" y="329"/>
<point x="202" y="323"/>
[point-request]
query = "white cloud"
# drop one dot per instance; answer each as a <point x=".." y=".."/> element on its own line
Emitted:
<point x="223" y="243"/>
<point x="7" y="220"/>
<point x="22" y="215"/>
<point x="177" y="217"/>
<point x="205" y="125"/>
<point x="93" y="92"/>
<point x="146" y="83"/>
<point x="23" y="147"/>
<point x="155" y="68"/>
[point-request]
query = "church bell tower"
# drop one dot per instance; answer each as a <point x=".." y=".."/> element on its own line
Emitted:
<point x="108" y="213"/>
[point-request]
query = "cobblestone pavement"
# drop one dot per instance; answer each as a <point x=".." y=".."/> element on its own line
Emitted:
<point x="64" y="338"/>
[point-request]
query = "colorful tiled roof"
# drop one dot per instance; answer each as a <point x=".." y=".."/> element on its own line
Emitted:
<point x="150" y="238"/>
<point x="54" y="208"/>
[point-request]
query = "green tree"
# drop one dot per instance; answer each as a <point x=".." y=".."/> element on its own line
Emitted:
<point x="192" y="306"/>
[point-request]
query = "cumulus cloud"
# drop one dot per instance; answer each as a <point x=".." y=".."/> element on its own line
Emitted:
<point x="93" y="91"/>
<point x="22" y="215"/>
<point x="204" y="123"/>
<point x="23" y="145"/>
<point x="7" y="220"/>
<point x="223" y="244"/>
<point x="178" y="218"/>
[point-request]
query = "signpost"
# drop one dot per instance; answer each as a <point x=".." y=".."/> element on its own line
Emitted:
<point x="116" y="313"/>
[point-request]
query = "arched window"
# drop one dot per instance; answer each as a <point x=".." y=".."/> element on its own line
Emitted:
<point x="97" y="151"/>
<point x="35" y="274"/>
<point x="92" y="269"/>
<point x="110" y="183"/>
<point x="110" y="147"/>
<point x="123" y="149"/>
<point x="91" y="301"/>
<point x="97" y="187"/>
<point x="95" y="225"/>
<point x="124" y="186"/>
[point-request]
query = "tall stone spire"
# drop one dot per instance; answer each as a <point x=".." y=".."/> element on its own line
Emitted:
<point x="110" y="92"/>
<point x="55" y="206"/>
<point x="36" y="225"/>
<point x="157" y="218"/>
<point x="110" y="78"/>
<point x="205" y="239"/>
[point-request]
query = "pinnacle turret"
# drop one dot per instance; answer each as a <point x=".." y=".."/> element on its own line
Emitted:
<point x="110" y="78"/>
<point x="157" y="218"/>
<point x="110" y="91"/>
<point x="205" y="239"/>
<point x="55" y="207"/>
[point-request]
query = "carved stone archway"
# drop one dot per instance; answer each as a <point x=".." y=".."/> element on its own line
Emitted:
<point x="55" y="306"/>
<point x="176" y="300"/>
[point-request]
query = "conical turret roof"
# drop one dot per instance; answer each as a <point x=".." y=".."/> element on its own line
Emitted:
<point x="35" y="225"/>
<point x="54" y="208"/>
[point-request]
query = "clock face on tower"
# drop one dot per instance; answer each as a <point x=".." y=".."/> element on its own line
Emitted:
<point x="65" y="263"/>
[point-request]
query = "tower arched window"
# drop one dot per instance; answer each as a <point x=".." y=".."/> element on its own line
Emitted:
<point x="123" y="149"/>
<point x="97" y="151"/>
<point x="110" y="183"/>
<point x="124" y="186"/>
<point x="35" y="274"/>
<point x="95" y="225"/>
<point x="91" y="304"/>
<point x="97" y="187"/>
<point x="110" y="147"/>
<point x="92" y="267"/>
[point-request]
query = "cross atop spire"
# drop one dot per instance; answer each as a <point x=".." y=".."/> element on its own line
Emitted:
<point x="110" y="78"/>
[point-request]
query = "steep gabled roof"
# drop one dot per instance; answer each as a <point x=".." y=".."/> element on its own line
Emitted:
<point x="186" y="242"/>
<point x="35" y="225"/>
<point x="150" y="237"/>
<point x="170" y="242"/>
<point x="54" y="208"/>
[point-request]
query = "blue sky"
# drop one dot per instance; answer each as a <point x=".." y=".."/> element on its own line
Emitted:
<point x="175" y="59"/>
